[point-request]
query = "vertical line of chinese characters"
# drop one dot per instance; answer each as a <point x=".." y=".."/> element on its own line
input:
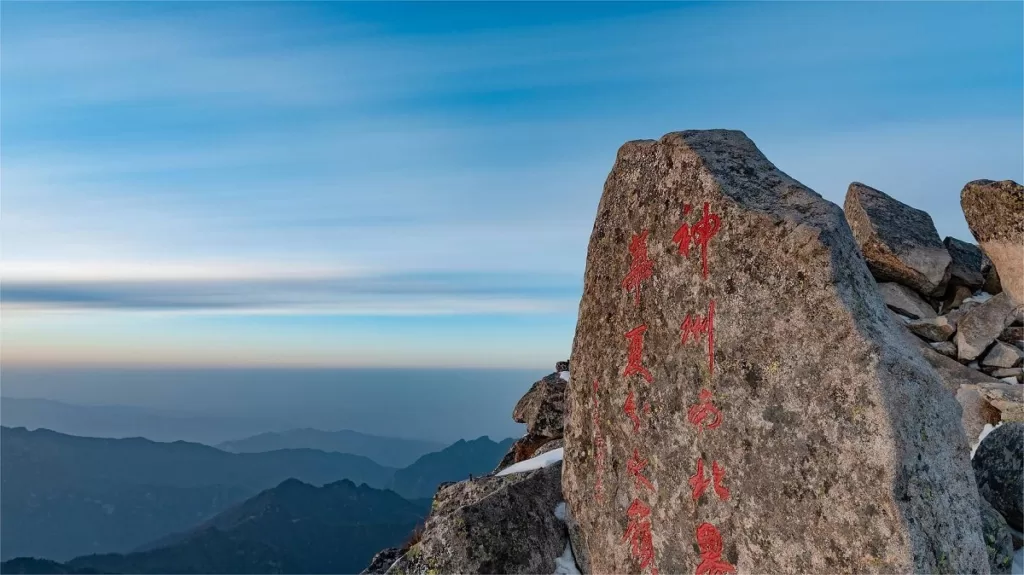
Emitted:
<point x="638" y="531"/>
<point x="704" y="415"/>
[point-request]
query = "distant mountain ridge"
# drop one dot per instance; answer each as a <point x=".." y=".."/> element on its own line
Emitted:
<point x="65" y="496"/>
<point x="389" y="451"/>
<point x="116" y="421"/>
<point x="453" y="463"/>
<point x="292" y="528"/>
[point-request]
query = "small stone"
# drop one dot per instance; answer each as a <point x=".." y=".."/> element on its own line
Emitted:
<point x="999" y="470"/>
<point x="946" y="348"/>
<point x="1009" y="380"/>
<point x="995" y="215"/>
<point x="966" y="267"/>
<point x="905" y="301"/>
<point x="1002" y="355"/>
<point x="1012" y="335"/>
<point x="1007" y="372"/>
<point x="932" y="328"/>
<point x="562" y="366"/>
<point x="899" y="242"/>
<point x="980" y="326"/>
<point x="1008" y="398"/>
<point x="998" y="539"/>
<point x="542" y="409"/>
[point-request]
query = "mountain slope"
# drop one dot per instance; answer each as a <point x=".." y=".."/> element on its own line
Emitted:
<point x="292" y="528"/>
<point x="64" y="496"/>
<point x="454" y="463"/>
<point x="390" y="451"/>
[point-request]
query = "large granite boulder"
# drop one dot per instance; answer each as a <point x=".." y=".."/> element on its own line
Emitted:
<point x="999" y="469"/>
<point x="982" y="324"/>
<point x="966" y="267"/>
<point x="998" y="539"/>
<point x="899" y="242"/>
<point x="542" y="409"/>
<point x="493" y="524"/>
<point x="739" y="398"/>
<point x="995" y="215"/>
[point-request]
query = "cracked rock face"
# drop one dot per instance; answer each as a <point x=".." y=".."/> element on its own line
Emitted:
<point x="838" y="446"/>
<point x="899" y="242"/>
<point x="492" y="524"/>
<point x="995" y="215"/>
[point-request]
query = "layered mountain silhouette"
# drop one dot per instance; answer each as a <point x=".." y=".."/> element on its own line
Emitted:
<point x="454" y="463"/>
<point x="292" y="528"/>
<point x="390" y="451"/>
<point x="64" y="496"/>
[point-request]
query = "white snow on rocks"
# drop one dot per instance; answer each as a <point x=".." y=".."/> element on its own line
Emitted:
<point x="981" y="437"/>
<point x="560" y="511"/>
<point x="538" y="462"/>
<point x="564" y="375"/>
<point x="1016" y="569"/>
<point x="566" y="564"/>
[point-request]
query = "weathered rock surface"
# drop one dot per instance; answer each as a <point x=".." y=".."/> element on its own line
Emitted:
<point x="999" y="469"/>
<point x="980" y="326"/>
<point x="993" y="285"/>
<point x="550" y="445"/>
<point x="840" y="449"/>
<point x="899" y="242"/>
<point x="1002" y="355"/>
<point x="977" y="411"/>
<point x="965" y="269"/>
<point x="955" y="295"/>
<point x="579" y="547"/>
<point x="998" y="539"/>
<point x="932" y="328"/>
<point x="905" y="301"/>
<point x="492" y="524"/>
<point x="1008" y="398"/>
<point x="542" y="409"/>
<point x="524" y="448"/>
<point x="995" y="215"/>
<point x="946" y="348"/>
<point x="561" y="366"/>
<point x="382" y="561"/>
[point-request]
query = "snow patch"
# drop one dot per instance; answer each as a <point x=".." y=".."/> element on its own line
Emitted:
<point x="981" y="437"/>
<point x="1016" y="569"/>
<point x="542" y="460"/>
<point x="566" y="564"/>
<point x="560" y="511"/>
<point x="564" y="375"/>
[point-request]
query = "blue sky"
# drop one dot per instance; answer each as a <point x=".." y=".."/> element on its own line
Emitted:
<point x="385" y="184"/>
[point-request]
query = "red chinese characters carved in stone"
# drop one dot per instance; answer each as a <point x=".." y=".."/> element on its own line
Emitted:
<point x="638" y="533"/>
<point x="635" y="466"/>
<point x="699" y="482"/>
<point x="598" y="449"/>
<point x="700" y="412"/>
<point x="697" y="328"/>
<point x="700" y="233"/>
<point x="634" y="362"/>
<point x="640" y="266"/>
<point x="709" y="541"/>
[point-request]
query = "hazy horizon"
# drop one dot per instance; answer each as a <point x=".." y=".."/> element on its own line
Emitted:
<point x="434" y="404"/>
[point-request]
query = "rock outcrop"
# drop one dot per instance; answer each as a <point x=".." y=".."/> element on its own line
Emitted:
<point x="966" y="268"/>
<point x="899" y="242"/>
<point x="999" y="470"/>
<point x="543" y="407"/>
<point x="995" y="215"/>
<point x="739" y="398"/>
<point x="492" y="524"/>
<point x="905" y="301"/>
<point x="980" y="326"/>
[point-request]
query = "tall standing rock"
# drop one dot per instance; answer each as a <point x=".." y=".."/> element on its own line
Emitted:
<point x="899" y="242"/>
<point x="731" y="345"/>
<point x="995" y="214"/>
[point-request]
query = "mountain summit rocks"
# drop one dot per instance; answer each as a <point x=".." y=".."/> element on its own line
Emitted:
<point x="899" y="242"/>
<point x="995" y="214"/>
<point x="739" y="397"/>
